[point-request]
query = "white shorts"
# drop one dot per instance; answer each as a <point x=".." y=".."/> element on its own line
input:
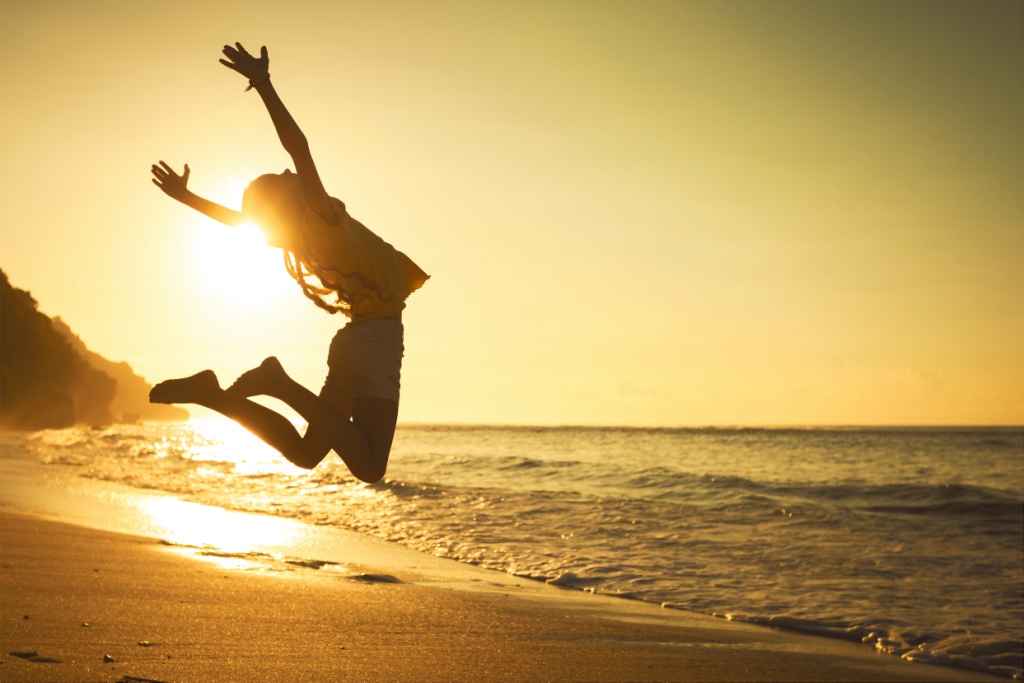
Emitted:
<point x="365" y="360"/>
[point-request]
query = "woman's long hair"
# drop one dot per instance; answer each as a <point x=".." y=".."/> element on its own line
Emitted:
<point x="301" y="272"/>
<point x="331" y="281"/>
<point x="275" y="190"/>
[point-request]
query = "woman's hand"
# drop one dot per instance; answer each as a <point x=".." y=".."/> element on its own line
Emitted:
<point x="256" y="69"/>
<point x="174" y="186"/>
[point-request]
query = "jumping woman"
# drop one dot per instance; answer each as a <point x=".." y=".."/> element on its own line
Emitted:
<point x="343" y="268"/>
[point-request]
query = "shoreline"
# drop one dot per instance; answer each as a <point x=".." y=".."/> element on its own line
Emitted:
<point x="221" y="595"/>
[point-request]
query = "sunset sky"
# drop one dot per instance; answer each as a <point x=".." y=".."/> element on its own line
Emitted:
<point x="633" y="212"/>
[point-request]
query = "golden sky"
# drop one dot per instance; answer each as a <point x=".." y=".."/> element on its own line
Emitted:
<point x="633" y="212"/>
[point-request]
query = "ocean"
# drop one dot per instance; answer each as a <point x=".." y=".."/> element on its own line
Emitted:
<point x="909" y="540"/>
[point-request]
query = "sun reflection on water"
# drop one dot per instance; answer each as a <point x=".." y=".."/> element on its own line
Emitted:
<point x="219" y="439"/>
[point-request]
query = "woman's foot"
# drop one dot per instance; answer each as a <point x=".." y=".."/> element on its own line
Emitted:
<point x="199" y="388"/>
<point x="263" y="380"/>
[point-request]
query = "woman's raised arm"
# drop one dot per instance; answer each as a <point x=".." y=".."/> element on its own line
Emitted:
<point x="257" y="70"/>
<point x="176" y="187"/>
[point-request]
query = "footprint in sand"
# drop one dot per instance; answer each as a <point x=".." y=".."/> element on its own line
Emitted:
<point x="375" y="578"/>
<point x="34" y="657"/>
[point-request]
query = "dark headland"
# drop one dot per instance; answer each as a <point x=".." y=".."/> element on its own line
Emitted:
<point x="49" y="379"/>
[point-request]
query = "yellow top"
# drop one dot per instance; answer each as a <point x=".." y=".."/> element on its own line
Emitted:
<point x="369" y="275"/>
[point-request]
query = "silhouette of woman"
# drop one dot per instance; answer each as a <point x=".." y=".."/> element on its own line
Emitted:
<point x="329" y="254"/>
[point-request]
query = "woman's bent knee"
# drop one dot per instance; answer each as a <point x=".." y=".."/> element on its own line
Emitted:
<point x="369" y="478"/>
<point x="305" y="456"/>
<point x="370" y="472"/>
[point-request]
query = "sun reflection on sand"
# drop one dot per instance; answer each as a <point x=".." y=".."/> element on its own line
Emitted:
<point x="233" y="540"/>
<point x="191" y="524"/>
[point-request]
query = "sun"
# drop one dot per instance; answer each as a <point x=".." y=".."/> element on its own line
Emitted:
<point x="240" y="268"/>
<point x="236" y="265"/>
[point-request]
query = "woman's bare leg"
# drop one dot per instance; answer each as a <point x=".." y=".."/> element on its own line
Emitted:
<point x="363" y="442"/>
<point x="272" y="427"/>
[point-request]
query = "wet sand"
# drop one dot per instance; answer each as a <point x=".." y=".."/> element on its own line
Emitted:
<point x="71" y="596"/>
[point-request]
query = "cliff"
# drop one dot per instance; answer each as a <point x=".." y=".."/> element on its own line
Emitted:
<point x="49" y="379"/>
<point x="131" y="400"/>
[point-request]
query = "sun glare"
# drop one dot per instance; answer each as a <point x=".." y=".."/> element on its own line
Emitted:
<point x="240" y="267"/>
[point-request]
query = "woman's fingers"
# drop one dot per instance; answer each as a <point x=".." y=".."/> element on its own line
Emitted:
<point x="163" y="172"/>
<point x="239" y="56"/>
<point x="233" y="53"/>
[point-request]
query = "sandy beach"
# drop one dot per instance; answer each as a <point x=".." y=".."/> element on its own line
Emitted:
<point x="320" y="604"/>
